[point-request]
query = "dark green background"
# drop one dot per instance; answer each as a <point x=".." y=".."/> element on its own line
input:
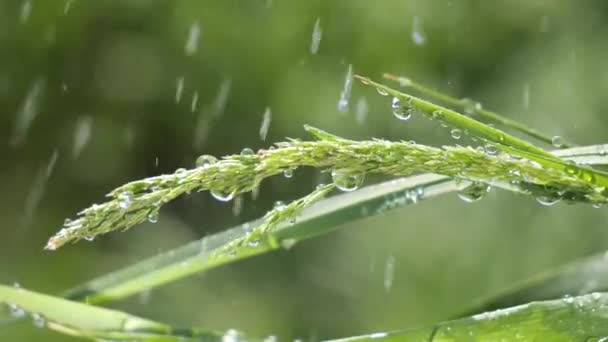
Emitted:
<point x="117" y="63"/>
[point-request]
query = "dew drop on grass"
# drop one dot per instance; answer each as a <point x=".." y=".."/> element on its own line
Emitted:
<point x="288" y="173"/>
<point x="153" y="216"/>
<point x="548" y="200"/>
<point x="568" y="299"/>
<point x="247" y="152"/>
<point x="474" y="192"/>
<point x="389" y="272"/>
<point x="16" y="311"/>
<point x="343" y="102"/>
<point x="205" y="161"/>
<point x="38" y="320"/>
<point x="232" y="335"/>
<point x="179" y="89"/>
<point x="82" y="134"/>
<point x="266" y="118"/>
<point x="222" y="196"/>
<point x="471" y="107"/>
<point x="279" y="205"/>
<point x="194" y="35"/>
<point x="557" y="141"/>
<point x="89" y="238"/>
<point x="382" y="91"/>
<point x="456" y="133"/>
<point x="401" y="112"/>
<point x="288" y="243"/>
<point x="418" y="36"/>
<point x="124" y="200"/>
<point x="317" y="34"/>
<point x="491" y="149"/>
<point x="347" y="181"/>
<point x="181" y="173"/>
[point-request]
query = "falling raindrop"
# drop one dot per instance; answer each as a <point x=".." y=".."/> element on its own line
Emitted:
<point x="193" y="39"/>
<point x="82" y="134"/>
<point x="26" y="11"/>
<point x="67" y="6"/>
<point x="179" y="89"/>
<point x="418" y="36"/>
<point x="347" y="181"/>
<point x="526" y="96"/>
<point x="474" y="192"/>
<point x="222" y="96"/>
<point x="456" y="133"/>
<point x="361" y="111"/>
<point x="221" y="195"/>
<point x="343" y="102"/>
<point x="34" y="196"/>
<point x="205" y="161"/>
<point x="267" y="117"/>
<point x="389" y="272"/>
<point x="194" y="102"/>
<point x="124" y="200"/>
<point x="237" y="205"/>
<point x="27" y="113"/>
<point x="317" y="34"/>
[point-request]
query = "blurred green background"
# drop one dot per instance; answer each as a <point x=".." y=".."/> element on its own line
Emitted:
<point x="89" y="100"/>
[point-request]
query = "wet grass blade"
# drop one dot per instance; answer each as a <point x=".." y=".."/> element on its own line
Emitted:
<point x="202" y="255"/>
<point x="500" y="139"/>
<point x="579" y="277"/>
<point x="575" y="319"/>
<point x="473" y="108"/>
<point x="91" y="322"/>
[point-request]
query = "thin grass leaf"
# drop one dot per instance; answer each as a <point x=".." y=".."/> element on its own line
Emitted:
<point x="213" y="251"/>
<point x="576" y="278"/>
<point x="585" y="155"/>
<point x="91" y="322"/>
<point x="576" y="319"/>
<point x="473" y="108"/>
<point x="501" y="139"/>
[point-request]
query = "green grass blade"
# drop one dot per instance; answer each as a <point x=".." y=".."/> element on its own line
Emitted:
<point x="575" y="319"/>
<point x="585" y="155"/>
<point x="579" y="277"/>
<point x="473" y="108"/>
<point x="202" y="255"/>
<point x="502" y="140"/>
<point x="91" y="322"/>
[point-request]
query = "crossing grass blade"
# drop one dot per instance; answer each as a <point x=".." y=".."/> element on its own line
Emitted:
<point x="576" y="319"/>
<point x="93" y="323"/>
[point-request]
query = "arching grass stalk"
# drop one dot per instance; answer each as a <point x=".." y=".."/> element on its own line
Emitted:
<point x="473" y="108"/>
<point x="349" y="161"/>
<point x="500" y="139"/>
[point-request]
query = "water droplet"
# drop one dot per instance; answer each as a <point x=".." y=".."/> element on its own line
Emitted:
<point x="179" y="89"/>
<point x="237" y="205"/>
<point x="288" y="173"/>
<point x="471" y="107"/>
<point x="288" y="243"/>
<point x="456" y="133"/>
<point x="267" y="117"/>
<point x="181" y="172"/>
<point x="557" y="141"/>
<point x="222" y="196"/>
<point x="82" y="133"/>
<point x="347" y="181"/>
<point x="232" y="336"/>
<point x="568" y="299"/>
<point x="418" y="36"/>
<point x="279" y="205"/>
<point x="89" y="238"/>
<point x="247" y="152"/>
<point x="205" y="161"/>
<point x="16" y="311"/>
<point x="362" y="109"/>
<point x="474" y="192"/>
<point x="124" y="200"/>
<point x="389" y="272"/>
<point x="317" y="34"/>
<point x="548" y="200"/>
<point x="27" y="113"/>
<point x="153" y="216"/>
<point x="26" y="11"/>
<point x="401" y="112"/>
<point x="39" y="320"/>
<point x="320" y="186"/>
<point x="571" y="169"/>
<point x="346" y="90"/>
<point x="194" y="35"/>
<point x="253" y="243"/>
<point x="194" y="102"/>
<point x="382" y="91"/>
<point x="438" y="115"/>
<point x="526" y="96"/>
<point x="491" y="149"/>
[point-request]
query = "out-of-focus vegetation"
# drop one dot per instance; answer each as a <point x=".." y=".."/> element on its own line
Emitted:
<point x="89" y="99"/>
